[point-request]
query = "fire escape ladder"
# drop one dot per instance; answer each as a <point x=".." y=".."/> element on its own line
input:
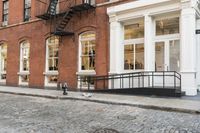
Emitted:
<point x="61" y="26"/>
<point x="51" y="11"/>
<point x="52" y="7"/>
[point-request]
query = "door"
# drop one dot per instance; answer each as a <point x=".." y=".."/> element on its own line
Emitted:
<point x="167" y="55"/>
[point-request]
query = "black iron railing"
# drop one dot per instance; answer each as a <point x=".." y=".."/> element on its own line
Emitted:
<point x="145" y="79"/>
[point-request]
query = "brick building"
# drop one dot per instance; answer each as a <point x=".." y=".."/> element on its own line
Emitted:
<point x="33" y="55"/>
<point x="139" y="44"/>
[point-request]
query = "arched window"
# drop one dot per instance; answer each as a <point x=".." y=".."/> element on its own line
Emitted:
<point x="24" y="63"/>
<point x="87" y="51"/>
<point x="52" y="45"/>
<point x="3" y="61"/>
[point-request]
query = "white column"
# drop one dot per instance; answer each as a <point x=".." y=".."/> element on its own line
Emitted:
<point x="148" y="43"/>
<point x="116" y="47"/>
<point x="198" y="54"/>
<point x="188" y="51"/>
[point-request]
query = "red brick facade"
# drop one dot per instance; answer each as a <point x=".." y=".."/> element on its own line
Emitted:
<point x="36" y="31"/>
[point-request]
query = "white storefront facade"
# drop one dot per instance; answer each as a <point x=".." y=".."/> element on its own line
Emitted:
<point x="157" y="35"/>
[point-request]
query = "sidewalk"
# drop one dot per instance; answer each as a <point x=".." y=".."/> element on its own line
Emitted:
<point x="186" y="105"/>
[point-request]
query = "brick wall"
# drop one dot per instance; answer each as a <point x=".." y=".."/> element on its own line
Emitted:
<point x="36" y="33"/>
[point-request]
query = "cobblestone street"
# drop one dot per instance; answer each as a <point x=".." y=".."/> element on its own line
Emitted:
<point x="21" y="114"/>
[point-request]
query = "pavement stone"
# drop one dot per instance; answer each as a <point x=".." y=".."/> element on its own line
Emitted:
<point x="41" y="115"/>
<point x="185" y="104"/>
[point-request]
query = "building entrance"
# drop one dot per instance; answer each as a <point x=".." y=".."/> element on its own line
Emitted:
<point x="167" y="55"/>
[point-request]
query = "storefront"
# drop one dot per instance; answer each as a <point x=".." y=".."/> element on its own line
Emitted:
<point x="156" y="35"/>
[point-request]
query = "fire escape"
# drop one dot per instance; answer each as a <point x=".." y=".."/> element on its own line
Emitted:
<point x="73" y="7"/>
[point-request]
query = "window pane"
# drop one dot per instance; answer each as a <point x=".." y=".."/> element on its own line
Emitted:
<point x="134" y="31"/>
<point x="167" y="26"/>
<point x="52" y="79"/>
<point x="24" y="78"/>
<point x="25" y="50"/>
<point x="52" y="57"/>
<point x="160" y="56"/>
<point x="139" y="56"/>
<point x="5" y="11"/>
<point x="3" y="76"/>
<point x="88" y="51"/>
<point x="53" y="64"/>
<point x="175" y="55"/>
<point x="128" y="57"/>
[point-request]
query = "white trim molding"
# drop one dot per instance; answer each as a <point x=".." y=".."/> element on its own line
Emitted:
<point x="188" y="13"/>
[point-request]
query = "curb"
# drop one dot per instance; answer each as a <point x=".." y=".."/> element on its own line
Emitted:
<point x="154" y="107"/>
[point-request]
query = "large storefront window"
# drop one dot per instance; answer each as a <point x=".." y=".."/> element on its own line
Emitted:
<point x="24" y="62"/>
<point x="3" y="61"/>
<point x="167" y="49"/>
<point x="134" y="46"/>
<point x="52" y="46"/>
<point x="167" y="26"/>
<point x="134" y="56"/>
<point x="87" y="51"/>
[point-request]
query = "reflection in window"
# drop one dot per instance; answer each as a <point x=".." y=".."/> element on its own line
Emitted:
<point x="24" y="63"/>
<point x="25" y="56"/>
<point x="24" y="78"/>
<point x="160" y="56"/>
<point x="52" y="54"/>
<point x="174" y="55"/>
<point x="52" y="47"/>
<point x="3" y="61"/>
<point x="87" y="51"/>
<point x="5" y="10"/>
<point x="134" y="31"/>
<point x="167" y="26"/>
<point x="52" y="79"/>
<point x="133" y="56"/>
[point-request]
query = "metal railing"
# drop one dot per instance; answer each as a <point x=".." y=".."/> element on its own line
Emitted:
<point x="145" y="79"/>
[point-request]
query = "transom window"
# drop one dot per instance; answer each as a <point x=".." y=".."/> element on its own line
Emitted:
<point x="5" y="10"/>
<point x="27" y="10"/>
<point x="167" y="26"/>
<point x="88" y="42"/>
<point x="133" y="31"/>
<point x="3" y="61"/>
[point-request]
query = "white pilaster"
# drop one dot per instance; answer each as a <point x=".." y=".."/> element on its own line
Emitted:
<point x="116" y="47"/>
<point x="148" y="43"/>
<point x="198" y="54"/>
<point x="188" y="50"/>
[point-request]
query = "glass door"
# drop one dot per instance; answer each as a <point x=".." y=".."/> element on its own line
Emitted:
<point x="167" y="55"/>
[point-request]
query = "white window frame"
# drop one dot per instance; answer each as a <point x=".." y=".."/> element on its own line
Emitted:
<point x="47" y="72"/>
<point x="21" y="71"/>
<point x="134" y="42"/>
<point x="80" y="71"/>
<point x="2" y="81"/>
